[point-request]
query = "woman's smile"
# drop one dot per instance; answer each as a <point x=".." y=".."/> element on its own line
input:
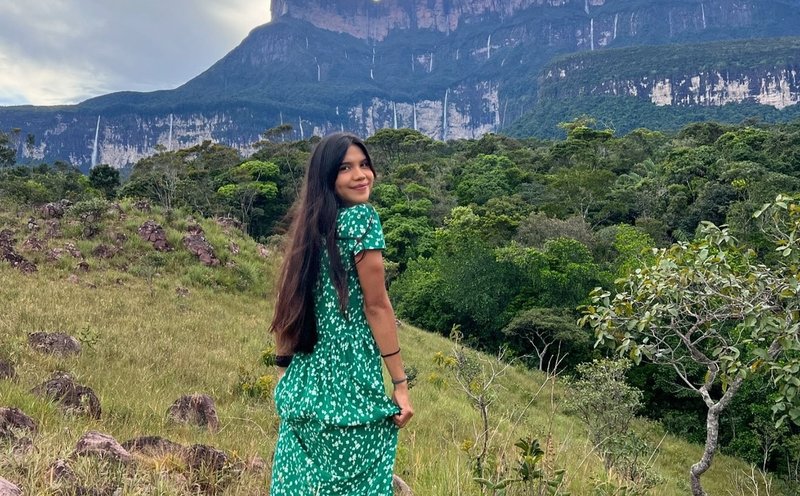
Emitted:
<point x="355" y="178"/>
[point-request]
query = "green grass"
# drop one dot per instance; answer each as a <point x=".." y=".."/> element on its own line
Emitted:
<point x="153" y="345"/>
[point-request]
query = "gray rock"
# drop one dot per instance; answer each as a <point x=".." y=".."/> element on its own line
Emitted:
<point x="154" y="233"/>
<point x="14" y="422"/>
<point x="33" y="244"/>
<point x="201" y="457"/>
<point x="400" y="487"/>
<point x="9" y="489"/>
<point x="228" y="223"/>
<point x="255" y="464"/>
<point x="103" y="446"/>
<point x="55" y="210"/>
<point x="7" y="370"/>
<point x="197" y="409"/>
<point x="53" y="228"/>
<point x="153" y="446"/>
<point x="70" y="395"/>
<point x="195" y="241"/>
<point x="104" y="251"/>
<point x="56" y="343"/>
<point x="73" y="250"/>
<point x="60" y="471"/>
<point x="8" y="253"/>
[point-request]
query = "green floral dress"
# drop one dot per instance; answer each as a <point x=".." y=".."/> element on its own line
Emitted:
<point x="336" y="436"/>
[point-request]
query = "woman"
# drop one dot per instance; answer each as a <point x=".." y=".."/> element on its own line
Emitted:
<point x="333" y="322"/>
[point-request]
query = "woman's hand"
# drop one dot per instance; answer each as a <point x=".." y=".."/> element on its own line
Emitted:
<point x="401" y="399"/>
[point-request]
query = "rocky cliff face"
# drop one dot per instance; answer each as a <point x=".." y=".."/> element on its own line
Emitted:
<point x="375" y="19"/>
<point x="448" y="68"/>
<point x="604" y="19"/>
<point x="766" y="73"/>
<point x="776" y="87"/>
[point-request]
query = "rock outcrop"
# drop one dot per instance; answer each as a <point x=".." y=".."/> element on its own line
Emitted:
<point x="102" y="446"/>
<point x="197" y="409"/>
<point x="9" y="254"/>
<point x="7" y="488"/>
<point x="54" y="343"/>
<point x="152" y="232"/>
<point x="70" y="395"/>
<point x="14" y="423"/>
<point x="195" y="241"/>
<point x="7" y="370"/>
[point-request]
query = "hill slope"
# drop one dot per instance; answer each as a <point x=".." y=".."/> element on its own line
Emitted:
<point x="145" y="344"/>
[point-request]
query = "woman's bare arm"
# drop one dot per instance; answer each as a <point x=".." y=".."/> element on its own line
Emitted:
<point x="381" y="319"/>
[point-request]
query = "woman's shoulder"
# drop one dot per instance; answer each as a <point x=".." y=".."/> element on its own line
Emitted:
<point x="353" y="221"/>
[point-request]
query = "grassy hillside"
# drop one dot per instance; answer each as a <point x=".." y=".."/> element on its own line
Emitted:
<point x="156" y="326"/>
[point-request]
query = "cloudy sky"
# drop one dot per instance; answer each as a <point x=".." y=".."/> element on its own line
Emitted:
<point x="65" y="51"/>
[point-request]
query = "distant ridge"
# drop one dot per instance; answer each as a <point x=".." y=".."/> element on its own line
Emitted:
<point x="448" y="68"/>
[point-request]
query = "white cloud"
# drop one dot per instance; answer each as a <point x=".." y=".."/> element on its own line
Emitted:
<point x="64" y="51"/>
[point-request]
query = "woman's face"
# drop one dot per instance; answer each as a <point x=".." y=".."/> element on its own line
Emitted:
<point x="355" y="178"/>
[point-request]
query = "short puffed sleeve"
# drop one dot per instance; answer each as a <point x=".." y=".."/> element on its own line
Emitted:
<point x="360" y="227"/>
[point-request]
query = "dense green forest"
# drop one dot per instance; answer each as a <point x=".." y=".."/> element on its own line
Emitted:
<point x="504" y="239"/>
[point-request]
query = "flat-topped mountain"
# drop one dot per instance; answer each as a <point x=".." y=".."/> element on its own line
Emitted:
<point x="448" y="68"/>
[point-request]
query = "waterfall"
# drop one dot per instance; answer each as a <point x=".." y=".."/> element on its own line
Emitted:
<point x="616" y="18"/>
<point x="669" y="15"/>
<point x="703" y="12"/>
<point x="337" y="110"/>
<point x="302" y="133"/>
<point x="457" y="53"/>
<point x="430" y="64"/>
<point x="319" y="74"/>
<point x="412" y="62"/>
<point x="394" y="110"/>
<point x="306" y="42"/>
<point x="169" y="142"/>
<point x="586" y="7"/>
<point x="414" y="106"/>
<point x="373" y="56"/>
<point x="488" y="47"/>
<point x="444" y="115"/>
<point x="94" y="148"/>
<point x="371" y="74"/>
<point x="591" y="33"/>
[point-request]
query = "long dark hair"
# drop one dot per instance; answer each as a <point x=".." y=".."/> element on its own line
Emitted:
<point x="313" y="228"/>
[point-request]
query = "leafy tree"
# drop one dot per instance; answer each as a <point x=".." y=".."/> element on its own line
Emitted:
<point x="105" y="178"/>
<point x="391" y="145"/>
<point x="607" y="405"/>
<point x="560" y="275"/>
<point x="252" y="189"/>
<point x="157" y="178"/>
<point x="711" y="304"/>
<point x="8" y="154"/>
<point x="552" y="333"/>
<point x="580" y="190"/>
<point x="486" y="177"/>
